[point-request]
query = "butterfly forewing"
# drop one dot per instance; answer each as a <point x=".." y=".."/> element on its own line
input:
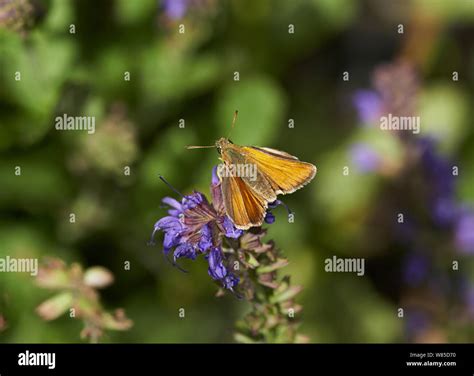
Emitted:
<point x="283" y="171"/>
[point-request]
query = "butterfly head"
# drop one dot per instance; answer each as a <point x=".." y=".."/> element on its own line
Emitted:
<point x="222" y="144"/>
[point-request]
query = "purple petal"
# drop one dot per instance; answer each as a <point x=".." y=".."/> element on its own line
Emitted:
<point x="170" y="240"/>
<point x="193" y="200"/>
<point x="169" y="224"/>
<point x="216" y="192"/>
<point x="215" y="179"/>
<point x="230" y="230"/>
<point x="217" y="269"/>
<point x="175" y="212"/>
<point x="205" y="242"/>
<point x="172" y="202"/>
<point x="230" y="281"/>
<point x="185" y="250"/>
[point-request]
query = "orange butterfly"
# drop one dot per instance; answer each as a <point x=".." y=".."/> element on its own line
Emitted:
<point x="252" y="177"/>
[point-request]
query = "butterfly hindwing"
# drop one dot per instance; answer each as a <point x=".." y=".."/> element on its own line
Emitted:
<point x="245" y="207"/>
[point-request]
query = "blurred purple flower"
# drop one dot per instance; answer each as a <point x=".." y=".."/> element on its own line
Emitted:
<point x="365" y="158"/>
<point x="368" y="105"/>
<point x="464" y="232"/>
<point x="415" y="268"/>
<point x="438" y="173"/>
<point x="417" y="321"/>
<point x="437" y="168"/>
<point x="175" y="9"/>
<point x="444" y="210"/>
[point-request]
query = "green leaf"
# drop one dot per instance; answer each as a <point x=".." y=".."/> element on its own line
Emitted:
<point x="55" y="306"/>
<point x="444" y="115"/>
<point x="171" y="74"/>
<point x="43" y="68"/>
<point x="112" y="322"/>
<point x="337" y="13"/>
<point x="134" y="11"/>
<point x="261" y="105"/>
<point x="288" y="294"/>
<point x="252" y="261"/>
<point x="280" y="263"/>
<point x="59" y="15"/>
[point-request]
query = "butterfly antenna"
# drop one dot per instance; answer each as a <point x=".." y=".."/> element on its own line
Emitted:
<point x="234" y="120"/>
<point x="200" y="147"/>
<point x="170" y="186"/>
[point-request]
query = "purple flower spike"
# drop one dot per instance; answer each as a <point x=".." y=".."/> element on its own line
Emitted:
<point x="194" y="226"/>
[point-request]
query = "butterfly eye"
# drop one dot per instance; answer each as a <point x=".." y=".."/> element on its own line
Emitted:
<point x="219" y="150"/>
